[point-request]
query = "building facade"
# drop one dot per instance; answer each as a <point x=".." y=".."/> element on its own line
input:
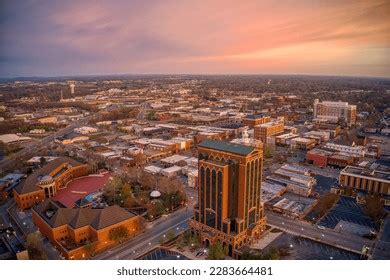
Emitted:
<point x="366" y="180"/>
<point x="253" y="120"/>
<point x="335" y="111"/>
<point x="46" y="181"/>
<point x="229" y="208"/>
<point x="263" y="131"/>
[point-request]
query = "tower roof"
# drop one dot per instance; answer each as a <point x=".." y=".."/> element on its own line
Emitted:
<point x="224" y="146"/>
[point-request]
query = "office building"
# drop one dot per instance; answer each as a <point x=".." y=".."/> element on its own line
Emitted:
<point x="252" y="120"/>
<point x="263" y="131"/>
<point x="334" y="111"/>
<point x="229" y="207"/>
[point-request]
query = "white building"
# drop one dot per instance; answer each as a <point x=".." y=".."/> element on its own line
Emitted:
<point x="334" y="111"/>
<point x="355" y="151"/>
<point x="172" y="160"/>
<point x="152" y="169"/>
<point x="85" y="130"/>
<point x="172" y="171"/>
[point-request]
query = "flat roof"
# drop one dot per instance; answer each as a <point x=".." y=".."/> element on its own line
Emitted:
<point x="354" y="170"/>
<point x="319" y="151"/>
<point x="303" y="140"/>
<point x="9" y="138"/>
<point x="271" y="123"/>
<point x="227" y="147"/>
<point x="253" y="117"/>
<point x="174" y="168"/>
<point x="174" y="159"/>
<point x="152" y="168"/>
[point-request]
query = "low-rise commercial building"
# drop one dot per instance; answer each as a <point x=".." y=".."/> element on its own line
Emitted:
<point x="303" y="143"/>
<point x="295" y="178"/>
<point x="318" y="157"/>
<point x="319" y="136"/>
<point x="48" y="120"/>
<point x="84" y="130"/>
<point x="355" y="151"/>
<point x="172" y="171"/>
<point x="366" y="180"/>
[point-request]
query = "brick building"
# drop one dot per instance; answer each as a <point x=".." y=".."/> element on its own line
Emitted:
<point x="76" y="232"/>
<point x="229" y="209"/>
<point x="252" y="120"/>
<point x="46" y="181"/>
<point x="263" y="131"/>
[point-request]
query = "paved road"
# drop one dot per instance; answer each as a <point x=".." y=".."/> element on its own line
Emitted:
<point x="32" y="149"/>
<point x="382" y="246"/>
<point x="144" y="242"/>
<point x="327" y="171"/>
<point x="25" y="226"/>
<point x="327" y="236"/>
<point x="35" y="147"/>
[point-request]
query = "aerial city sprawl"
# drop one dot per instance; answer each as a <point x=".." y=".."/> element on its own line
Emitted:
<point x="195" y="167"/>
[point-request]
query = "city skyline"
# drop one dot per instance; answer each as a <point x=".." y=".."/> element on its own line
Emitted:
<point x="50" y="38"/>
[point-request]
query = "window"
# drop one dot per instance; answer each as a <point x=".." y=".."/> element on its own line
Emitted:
<point x="201" y="199"/>
<point x="213" y="189"/>
<point x="219" y="211"/>
<point x="207" y="188"/>
<point x="210" y="218"/>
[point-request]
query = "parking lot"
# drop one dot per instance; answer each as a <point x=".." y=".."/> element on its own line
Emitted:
<point x="299" y="248"/>
<point x="324" y="183"/>
<point x="348" y="210"/>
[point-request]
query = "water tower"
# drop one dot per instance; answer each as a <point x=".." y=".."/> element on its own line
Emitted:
<point x="72" y="86"/>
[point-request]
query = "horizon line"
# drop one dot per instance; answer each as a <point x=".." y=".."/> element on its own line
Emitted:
<point x="191" y="74"/>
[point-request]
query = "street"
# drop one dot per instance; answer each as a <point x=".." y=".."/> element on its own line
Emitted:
<point x="144" y="242"/>
<point x="327" y="236"/>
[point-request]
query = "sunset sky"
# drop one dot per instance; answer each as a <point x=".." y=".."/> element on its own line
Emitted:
<point x="73" y="37"/>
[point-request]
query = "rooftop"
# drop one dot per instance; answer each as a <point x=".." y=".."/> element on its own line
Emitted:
<point x="253" y="117"/>
<point x="29" y="184"/>
<point x="272" y="123"/>
<point x="319" y="151"/>
<point x="56" y="215"/>
<point x="9" y="138"/>
<point x="354" y="170"/>
<point x="174" y="159"/>
<point x="238" y="149"/>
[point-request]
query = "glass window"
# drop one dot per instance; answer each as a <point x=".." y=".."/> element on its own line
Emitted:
<point x="207" y="188"/>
